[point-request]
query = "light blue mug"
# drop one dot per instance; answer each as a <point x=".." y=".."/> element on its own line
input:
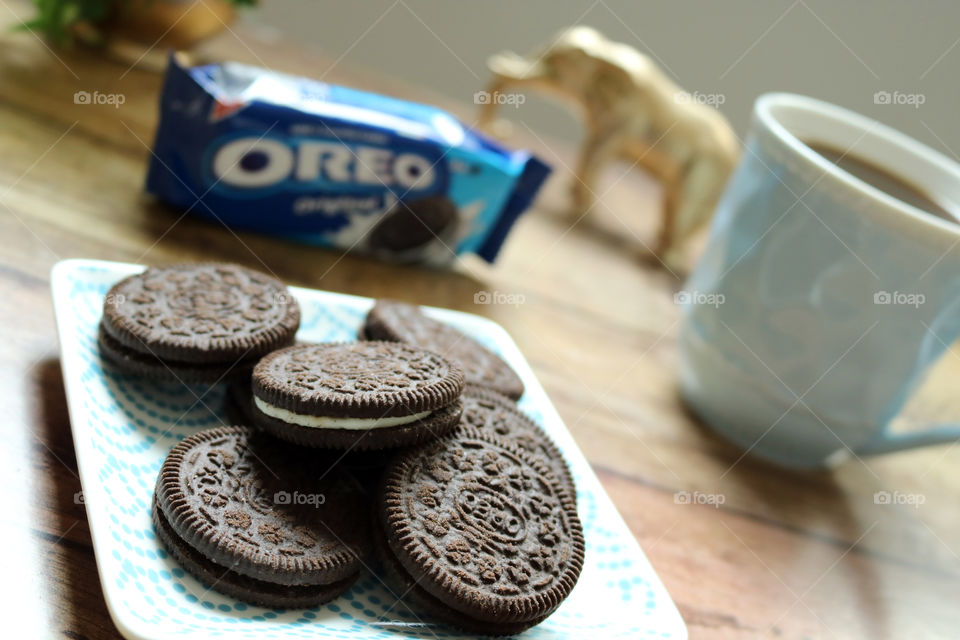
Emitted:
<point x="820" y="301"/>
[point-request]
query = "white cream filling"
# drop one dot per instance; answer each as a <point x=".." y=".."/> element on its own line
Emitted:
<point x="329" y="422"/>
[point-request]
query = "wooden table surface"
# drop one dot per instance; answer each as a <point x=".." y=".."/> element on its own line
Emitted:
<point x="787" y="554"/>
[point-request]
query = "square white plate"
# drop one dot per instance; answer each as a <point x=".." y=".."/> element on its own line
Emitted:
<point x="123" y="428"/>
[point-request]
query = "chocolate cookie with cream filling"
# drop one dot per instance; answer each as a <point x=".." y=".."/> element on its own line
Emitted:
<point x="362" y="395"/>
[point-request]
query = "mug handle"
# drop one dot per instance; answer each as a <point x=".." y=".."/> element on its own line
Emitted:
<point x="888" y="442"/>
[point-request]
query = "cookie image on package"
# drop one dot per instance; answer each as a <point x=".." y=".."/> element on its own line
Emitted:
<point x="409" y="228"/>
<point x="356" y="396"/>
<point x="391" y="320"/>
<point x="483" y="535"/>
<point x="494" y="413"/>
<point x="196" y="322"/>
<point x="256" y="519"/>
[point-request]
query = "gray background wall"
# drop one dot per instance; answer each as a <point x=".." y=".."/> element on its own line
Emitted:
<point x="838" y="50"/>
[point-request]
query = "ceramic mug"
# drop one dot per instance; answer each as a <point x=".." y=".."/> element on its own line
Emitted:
<point x="820" y="301"/>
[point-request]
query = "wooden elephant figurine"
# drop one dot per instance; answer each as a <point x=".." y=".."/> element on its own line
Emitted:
<point x="632" y="112"/>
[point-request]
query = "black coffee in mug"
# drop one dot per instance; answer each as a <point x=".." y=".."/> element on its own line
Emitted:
<point x="877" y="176"/>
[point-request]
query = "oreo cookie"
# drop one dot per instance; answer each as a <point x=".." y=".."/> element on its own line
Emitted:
<point x="258" y="520"/>
<point x="196" y="322"/>
<point x="237" y="585"/>
<point x="489" y="411"/>
<point x="147" y="366"/>
<point x="409" y="229"/>
<point x="482" y="534"/>
<point x="361" y="395"/>
<point x="364" y="465"/>
<point x="391" y="320"/>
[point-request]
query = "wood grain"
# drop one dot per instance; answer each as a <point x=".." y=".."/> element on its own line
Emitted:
<point x="789" y="555"/>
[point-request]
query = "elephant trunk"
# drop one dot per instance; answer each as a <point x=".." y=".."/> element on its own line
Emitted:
<point x="511" y="68"/>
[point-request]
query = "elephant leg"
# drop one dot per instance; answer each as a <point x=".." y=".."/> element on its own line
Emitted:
<point x="690" y="203"/>
<point x="597" y="151"/>
<point x="672" y="197"/>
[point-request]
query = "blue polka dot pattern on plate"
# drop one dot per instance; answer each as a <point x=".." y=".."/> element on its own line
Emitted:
<point x="125" y="426"/>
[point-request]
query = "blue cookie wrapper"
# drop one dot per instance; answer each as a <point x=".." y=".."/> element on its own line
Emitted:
<point x="324" y="164"/>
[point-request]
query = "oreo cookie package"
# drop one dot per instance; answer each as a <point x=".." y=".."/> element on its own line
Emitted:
<point x="334" y="166"/>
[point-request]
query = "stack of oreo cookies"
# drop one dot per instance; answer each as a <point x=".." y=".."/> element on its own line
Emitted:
<point x="474" y="508"/>
<point x="198" y="323"/>
<point x="251" y="518"/>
